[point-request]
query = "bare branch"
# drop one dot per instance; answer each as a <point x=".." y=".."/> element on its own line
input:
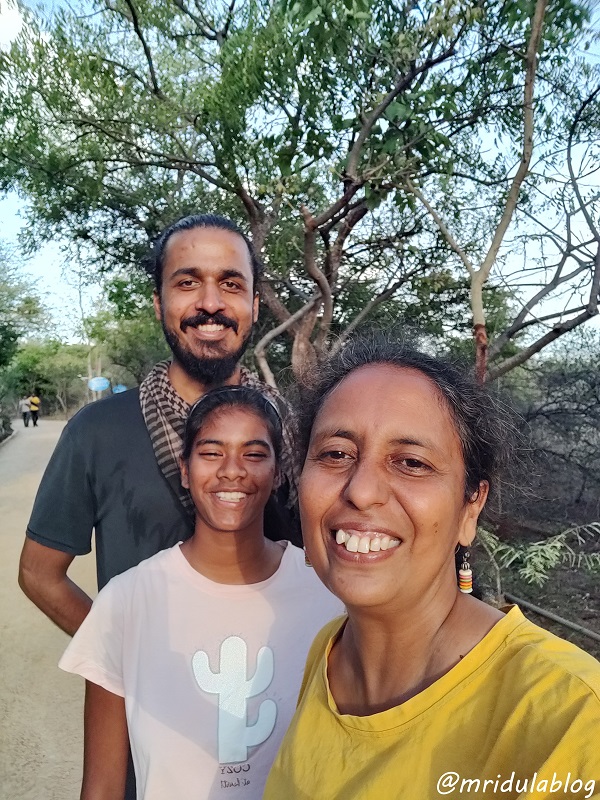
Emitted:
<point x="310" y="264"/>
<point x="574" y="182"/>
<point x="364" y="313"/>
<point x="531" y="59"/>
<point x="136" y="26"/>
<point x="524" y="355"/>
<point x="203" y="29"/>
<point x="591" y="310"/>
<point x="445" y="231"/>
<point x="261" y="346"/>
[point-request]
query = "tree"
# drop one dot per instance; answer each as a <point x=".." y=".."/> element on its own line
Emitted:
<point x="51" y="369"/>
<point x="135" y="342"/>
<point x="21" y="310"/>
<point x="558" y="396"/>
<point x="316" y="120"/>
<point x="568" y="261"/>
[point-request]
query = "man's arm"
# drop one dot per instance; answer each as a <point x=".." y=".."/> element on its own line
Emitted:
<point x="43" y="578"/>
<point x="106" y="745"/>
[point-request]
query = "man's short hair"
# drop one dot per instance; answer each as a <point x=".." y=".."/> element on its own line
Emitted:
<point x="154" y="263"/>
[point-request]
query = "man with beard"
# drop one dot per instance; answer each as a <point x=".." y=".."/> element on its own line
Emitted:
<point x="116" y="467"/>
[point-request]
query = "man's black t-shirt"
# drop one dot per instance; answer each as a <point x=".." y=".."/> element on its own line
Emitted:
<point x="103" y="475"/>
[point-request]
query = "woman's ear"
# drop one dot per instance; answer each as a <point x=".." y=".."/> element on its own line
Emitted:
<point x="470" y="514"/>
<point x="183" y="469"/>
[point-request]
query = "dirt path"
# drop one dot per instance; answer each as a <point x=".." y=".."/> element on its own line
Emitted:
<point x="41" y="717"/>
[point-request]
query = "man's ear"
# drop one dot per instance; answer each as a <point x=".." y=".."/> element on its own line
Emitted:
<point x="470" y="514"/>
<point x="255" y="307"/>
<point x="183" y="469"/>
<point x="156" y="304"/>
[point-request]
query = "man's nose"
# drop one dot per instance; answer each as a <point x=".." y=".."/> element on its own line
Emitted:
<point x="210" y="299"/>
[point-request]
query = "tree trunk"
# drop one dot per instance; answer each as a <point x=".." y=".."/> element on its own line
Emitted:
<point x="481" y="351"/>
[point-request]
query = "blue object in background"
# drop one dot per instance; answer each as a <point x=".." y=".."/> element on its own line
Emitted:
<point x="98" y="384"/>
<point x="119" y="388"/>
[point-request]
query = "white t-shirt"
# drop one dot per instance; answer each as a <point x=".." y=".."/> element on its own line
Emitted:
<point x="210" y="673"/>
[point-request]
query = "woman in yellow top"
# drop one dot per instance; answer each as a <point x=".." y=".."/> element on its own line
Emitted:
<point x="422" y="691"/>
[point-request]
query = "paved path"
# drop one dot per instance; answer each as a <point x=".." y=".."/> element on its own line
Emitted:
<point x="41" y="716"/>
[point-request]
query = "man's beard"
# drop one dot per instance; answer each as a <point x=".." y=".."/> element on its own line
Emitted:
<point x="209" y="371"/>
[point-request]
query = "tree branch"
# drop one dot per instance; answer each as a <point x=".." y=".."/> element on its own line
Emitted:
<point x="445" y="231"/>
<point x="261" y="346"/>
<point x="136" y="26"/>
<point x="574" y="182"/>
<point x="531" y="59"/>
<point x="401" y="85"/>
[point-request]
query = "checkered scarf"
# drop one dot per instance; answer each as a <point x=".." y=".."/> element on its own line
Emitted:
<point x="165" y="413"/>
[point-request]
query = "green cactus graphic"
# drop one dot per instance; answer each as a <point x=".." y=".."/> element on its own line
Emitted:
<point x="234" y="689"/>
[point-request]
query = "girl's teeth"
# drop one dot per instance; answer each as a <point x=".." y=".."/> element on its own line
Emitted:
<point x="375" y="545"/>
<point x="341" y="537"/>
<point x="385" y="542"/>
<point x="352" y="544"/>
<point x="364" y="544"/>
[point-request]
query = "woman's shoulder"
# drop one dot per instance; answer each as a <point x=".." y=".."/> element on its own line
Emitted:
<point x="543" y="655"/>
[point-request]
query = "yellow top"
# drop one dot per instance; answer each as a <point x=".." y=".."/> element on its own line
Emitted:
<point x="34" y="403"/>
<point x="520" y="711"/>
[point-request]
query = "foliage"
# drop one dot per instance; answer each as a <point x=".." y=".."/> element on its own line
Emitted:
<point x="534" y="561"/>
<point x="310" y="119"/>
<point x="135" y="343"/>
<point x="52" y="370"/>
<point x="21" y="309"/>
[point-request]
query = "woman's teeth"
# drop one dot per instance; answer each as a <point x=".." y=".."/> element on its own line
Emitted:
<point x="370" y="543"/>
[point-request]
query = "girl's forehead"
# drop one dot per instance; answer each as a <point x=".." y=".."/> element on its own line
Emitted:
<point x="230" y="420"/>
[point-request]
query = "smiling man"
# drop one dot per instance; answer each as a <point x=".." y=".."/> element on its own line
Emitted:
<point x="115" y="469"/>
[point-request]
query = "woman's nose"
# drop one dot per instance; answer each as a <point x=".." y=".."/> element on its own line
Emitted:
<point x="366" y="486"/>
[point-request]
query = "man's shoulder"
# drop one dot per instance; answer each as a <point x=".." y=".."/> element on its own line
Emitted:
<point x="119" y="411"/>
<point x="108" y="406"/>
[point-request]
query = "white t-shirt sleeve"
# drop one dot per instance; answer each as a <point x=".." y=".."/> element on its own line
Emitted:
<point x="96" y="650"/>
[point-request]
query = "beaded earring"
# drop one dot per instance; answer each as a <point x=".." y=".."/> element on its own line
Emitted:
<point x="465" y="575"/>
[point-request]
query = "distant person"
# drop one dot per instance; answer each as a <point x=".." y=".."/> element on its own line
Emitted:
<point x="115" y="469"/>
<point x="421" y="691"/>
<point x="227" y="615"/>
<point x="34" y="408"/>
<point x="24" y="410"/>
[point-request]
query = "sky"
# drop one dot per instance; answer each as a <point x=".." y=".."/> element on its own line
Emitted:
<point x="54" y="278"/>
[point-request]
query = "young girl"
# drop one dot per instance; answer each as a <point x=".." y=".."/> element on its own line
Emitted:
<point x="196" y="655"/>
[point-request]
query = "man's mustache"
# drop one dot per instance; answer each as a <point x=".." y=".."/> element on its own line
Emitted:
<point x="202" y="318"/>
